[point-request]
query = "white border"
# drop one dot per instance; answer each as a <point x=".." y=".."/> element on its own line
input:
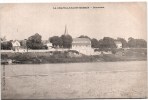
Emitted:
<point x="49" y="1"/>
<point x="52" y="1"/>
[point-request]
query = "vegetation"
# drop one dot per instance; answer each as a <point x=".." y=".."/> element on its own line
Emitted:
<point x="6" y="45"/>
<point x="65" y="41"/>
<point x="35" y="42"/>
<point x="46" y="57"/>
<point x="94" y="43"/>
<point x="106" y="42"/>
<point x="136" y="43"/>
<point x="56" y="41"/>
<point x="64" y="56"/>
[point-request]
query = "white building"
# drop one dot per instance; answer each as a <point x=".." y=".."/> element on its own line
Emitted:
<point x="118" y="44"/>
<point x="82" y="45"/>
<point x="16" y="45"/>
<point x="47" y="43"/>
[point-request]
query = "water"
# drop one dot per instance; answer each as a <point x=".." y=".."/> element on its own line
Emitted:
<point x="76" y="67"/>
<point x="76" y="80"/>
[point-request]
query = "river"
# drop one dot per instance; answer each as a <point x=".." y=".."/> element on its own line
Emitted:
<point x="75" y="80"/>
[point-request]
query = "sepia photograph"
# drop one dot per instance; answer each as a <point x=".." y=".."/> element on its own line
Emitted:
<point x="87" y="50"/>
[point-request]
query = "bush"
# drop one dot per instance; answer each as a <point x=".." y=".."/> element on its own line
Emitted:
<point x="113" y="51"/>
<point x="4" y="56"/>
<point x="73" y="51"/>
<point x="45" y="47"/>
<point x="103" y="49"/>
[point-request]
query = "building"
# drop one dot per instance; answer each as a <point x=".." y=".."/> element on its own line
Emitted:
<point x="16" y="45"/>
<point x="82" y="45"/>
<point x="47" y="43"/>
<point x="118" y="44"/>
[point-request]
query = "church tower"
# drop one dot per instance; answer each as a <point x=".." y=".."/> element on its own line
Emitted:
<point x="66" y="30"/>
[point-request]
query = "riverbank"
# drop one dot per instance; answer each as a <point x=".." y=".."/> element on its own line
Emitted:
<point x="71" y="57"/>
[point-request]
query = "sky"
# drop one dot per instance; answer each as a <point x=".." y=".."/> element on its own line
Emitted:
<point x="19" y="21"/>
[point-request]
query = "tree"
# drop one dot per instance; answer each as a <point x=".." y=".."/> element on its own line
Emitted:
<point x="23" y="43"/>
<point x="130" y="38"/>
<point x="6" y="45"/>
<point x="34" y="42"/>
<point x="140" y="43"/>
<point x="84" y="36"/>
<point x="108" y="42"/>
<point x="94" y="43"/>
<point x="131" y="42"/>
<point x="100" y="43"/>
<point x="137" y="43"/>
<point x="67" y="41"/>
<point x="123" y="41"/>
<point x="56" y="41"/>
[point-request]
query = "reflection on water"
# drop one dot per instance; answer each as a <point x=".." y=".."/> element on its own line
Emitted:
<point x="78" y="67"/>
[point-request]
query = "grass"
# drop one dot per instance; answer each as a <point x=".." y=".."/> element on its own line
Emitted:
<point x="64" y="57"/>
<point x="46" y="57"/>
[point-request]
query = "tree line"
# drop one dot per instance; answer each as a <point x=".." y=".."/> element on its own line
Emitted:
<point x="35" y="41"/>
<point x="65" y="41"/>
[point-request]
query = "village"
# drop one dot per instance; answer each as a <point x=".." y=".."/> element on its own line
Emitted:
<point x="71" y="49"/>
<point x="81" y="44"/>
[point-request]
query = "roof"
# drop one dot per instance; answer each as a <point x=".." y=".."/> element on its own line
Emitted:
<point x="118" y="42"/>
<point x="45" y="41"/>
<point x="81" y="41"/>
<point x="15" y="43"/>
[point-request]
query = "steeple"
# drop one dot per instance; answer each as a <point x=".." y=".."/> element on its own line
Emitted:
<point x="66" y="31"/>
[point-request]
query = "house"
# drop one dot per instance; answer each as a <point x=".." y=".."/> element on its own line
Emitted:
<point x="118" y="44"/>
<point x="47" y="43"/>
<point x="16" y="45"/>
<point x="83" y="45"/>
